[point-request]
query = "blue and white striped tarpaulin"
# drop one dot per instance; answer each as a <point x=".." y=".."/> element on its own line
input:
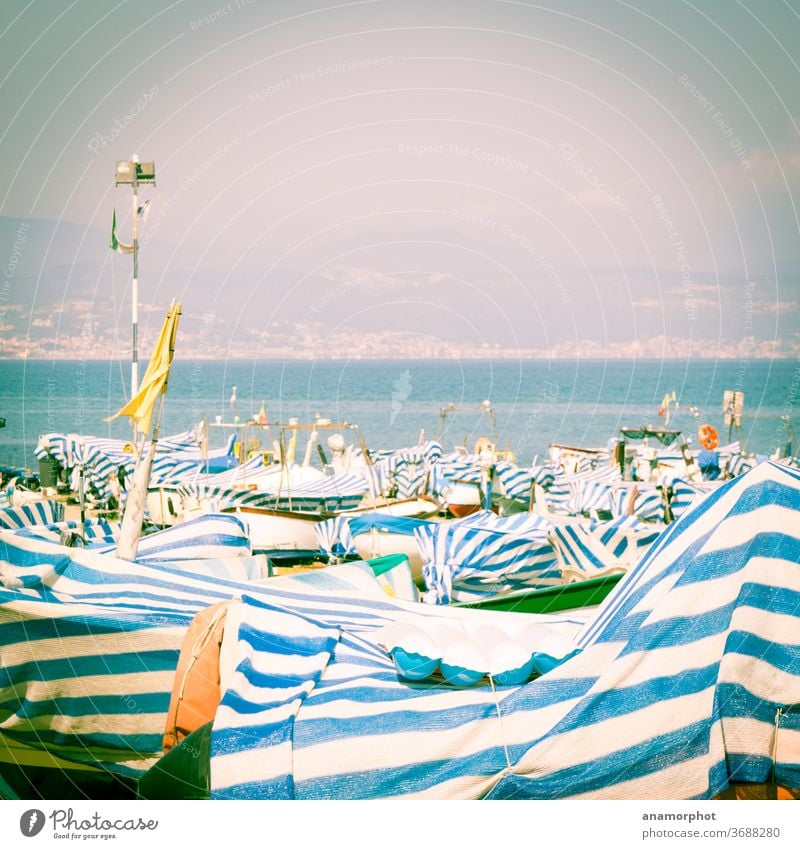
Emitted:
<point x="89" y="646"/>
<point x="449" y="471"/>
<point x="428" y="452"/>
<point x="260" y="486"/>
<point x="34" y="513"/>
<point x="210" y="536"/>
<point x="590" y="490"/>
<point x="545" y="475"/>
<point x="338" y="492"/>
<point x="675" y="693"/>
<point x="405" y="470"/>
<point x="251" y="472"/>
<point x="648" y="504"/>
<point x="685" y="493"/>
<point x="336" y="535"/>
<point x="465" y="561"/>
<point x="101" y="459"/>
<point x="592" y="549"/>
<point x="90" y="643"/>
<point x="738" y="465"/>
<point x="95" y="533"/>
<point x="65" y="447"/>
<point x="273" y="722"/>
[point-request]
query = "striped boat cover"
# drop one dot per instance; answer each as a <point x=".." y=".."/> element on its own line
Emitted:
<point x="738" y="465"/>
<point x="559" y="496"/>
<point x="649" y="502"/>
<point x="545" y="475"/>
<point x="204" y="538"/>
<point x="34" y="513"/>
<point x="210" y="536"/>
<point x="176" y="457"/>
<point x="96" y="532"/>
<point x="463" y="562"/>
<point x="446" y="472"/>
<point x="260" y="486"/>
<point x="517" y="523"/>
<point x="405" y="480"/>
<point x="90" y="644"/>
<point x="428" y="452"/>
<point x="336" y="535"/>
<point x="674" y="695"/>
<point x="252" y="471"/>
<point x="684" y="494"/>
<point x="310" y="696"/>
<point x="592" y="549"/>
<point x="405" y="470"/>
<point x="65" y="446"/>
<point x="338" y="492"/>
<point x="510" y="480"/>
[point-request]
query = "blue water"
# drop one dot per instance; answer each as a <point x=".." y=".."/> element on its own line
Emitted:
<point x="535" y="402"/>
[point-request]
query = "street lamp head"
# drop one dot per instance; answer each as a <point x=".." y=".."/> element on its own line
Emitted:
<point x="131" y="171"/>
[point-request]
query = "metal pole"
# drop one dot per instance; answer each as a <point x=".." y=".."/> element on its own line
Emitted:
<point x="82" y="500"/>
<point x="135" y="291"/>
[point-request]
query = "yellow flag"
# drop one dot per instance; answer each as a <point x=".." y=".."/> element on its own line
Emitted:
<point x="140" y="407"/>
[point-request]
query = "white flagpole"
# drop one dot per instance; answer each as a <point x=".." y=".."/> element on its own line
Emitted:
<point x="135" y="294"/>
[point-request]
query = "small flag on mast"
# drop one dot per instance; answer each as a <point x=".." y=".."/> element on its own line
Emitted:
<point x="114" y="242"/>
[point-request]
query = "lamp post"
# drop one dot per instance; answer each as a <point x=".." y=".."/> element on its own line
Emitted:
<point x="132" y="172"/>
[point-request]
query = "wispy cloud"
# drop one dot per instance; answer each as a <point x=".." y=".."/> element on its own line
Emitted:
<point x="370" y="279"/>
<point x="775" y="307"/>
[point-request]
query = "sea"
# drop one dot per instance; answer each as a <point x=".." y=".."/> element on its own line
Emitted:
<point x="396" y="402"/>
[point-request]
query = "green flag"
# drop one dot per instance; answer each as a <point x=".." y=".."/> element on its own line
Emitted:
<point x="115" y="243"/>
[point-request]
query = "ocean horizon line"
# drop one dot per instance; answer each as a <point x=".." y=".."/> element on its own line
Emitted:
<point x="698" y="358"/>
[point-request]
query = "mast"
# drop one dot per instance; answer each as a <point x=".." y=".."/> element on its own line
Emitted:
<point x="133" y="173"/>
<point x="135" y="288"/>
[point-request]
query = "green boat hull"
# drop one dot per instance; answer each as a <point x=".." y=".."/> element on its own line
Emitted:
<point x="587" y="593"/>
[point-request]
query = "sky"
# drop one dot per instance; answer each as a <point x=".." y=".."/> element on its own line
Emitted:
<point x="400" y="178"/>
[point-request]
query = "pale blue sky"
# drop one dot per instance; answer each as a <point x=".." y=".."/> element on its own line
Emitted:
<point x="621" y="176"/>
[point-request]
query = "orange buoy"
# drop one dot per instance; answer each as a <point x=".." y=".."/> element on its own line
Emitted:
<point x="708" y="437"/>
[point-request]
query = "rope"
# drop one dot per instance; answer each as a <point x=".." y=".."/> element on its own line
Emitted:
<point x="114" y="299"/>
